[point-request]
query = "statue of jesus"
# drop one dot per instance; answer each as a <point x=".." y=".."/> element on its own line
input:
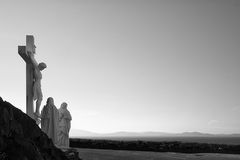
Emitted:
<point x="37" y="91"/>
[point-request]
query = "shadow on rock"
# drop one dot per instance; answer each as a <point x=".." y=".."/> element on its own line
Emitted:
<point x="22" y="139"/>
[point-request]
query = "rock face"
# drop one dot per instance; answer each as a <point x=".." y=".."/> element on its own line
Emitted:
<point x="22" y="139"/>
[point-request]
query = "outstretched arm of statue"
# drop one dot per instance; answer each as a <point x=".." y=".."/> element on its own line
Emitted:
<point x="33" y="60"/>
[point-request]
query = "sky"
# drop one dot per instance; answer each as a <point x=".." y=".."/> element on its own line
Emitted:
<point x="129" y="65"/>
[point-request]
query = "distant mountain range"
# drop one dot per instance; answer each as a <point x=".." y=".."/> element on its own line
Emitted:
<point x="85" y="134"/>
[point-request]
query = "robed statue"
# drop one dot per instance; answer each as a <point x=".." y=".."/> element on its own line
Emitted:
<point x="64" y="126"/>
<point x="49" y="120"/>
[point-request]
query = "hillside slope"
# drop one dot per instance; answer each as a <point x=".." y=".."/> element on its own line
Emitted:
<point x="22" y="139"/>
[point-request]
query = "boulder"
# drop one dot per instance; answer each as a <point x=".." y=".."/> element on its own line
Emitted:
<point x="22" y="139"/>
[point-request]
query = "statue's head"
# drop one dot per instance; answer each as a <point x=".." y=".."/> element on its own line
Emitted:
<point x="64" y="105"/>
<point x="42" y="66"/>
<point x="50" y="100"/>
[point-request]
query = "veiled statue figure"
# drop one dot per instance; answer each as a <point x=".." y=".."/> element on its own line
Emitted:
<point x="64" y="126"/>
<point x="49" y="120"/>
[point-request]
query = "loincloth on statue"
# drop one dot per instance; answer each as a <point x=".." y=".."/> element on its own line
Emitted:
<point x="37" y="91"/>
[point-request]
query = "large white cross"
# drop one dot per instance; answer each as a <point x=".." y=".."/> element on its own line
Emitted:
<point x="22" y="51"/>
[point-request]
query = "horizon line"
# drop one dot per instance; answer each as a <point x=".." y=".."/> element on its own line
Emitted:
<point x="113" y="132"/>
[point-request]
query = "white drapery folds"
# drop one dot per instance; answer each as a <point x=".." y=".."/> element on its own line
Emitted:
<point x="64" y="126"/>
<point x="49" y="120"/>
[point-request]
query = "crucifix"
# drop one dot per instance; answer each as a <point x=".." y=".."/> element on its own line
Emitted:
<point x="33" y="77"/>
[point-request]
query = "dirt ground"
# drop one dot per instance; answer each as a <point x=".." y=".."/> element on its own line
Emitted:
<point x="99" y="154"/>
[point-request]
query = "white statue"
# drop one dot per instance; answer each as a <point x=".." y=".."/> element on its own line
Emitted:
<point x="37" y="91"/>
<point x="49" y="120"/>
<point x="64" y="126"/>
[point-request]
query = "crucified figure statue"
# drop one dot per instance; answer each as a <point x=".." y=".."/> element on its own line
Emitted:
<point x="37" y="75"/>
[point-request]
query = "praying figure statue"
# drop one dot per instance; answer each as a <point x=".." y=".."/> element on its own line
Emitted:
<point x="64" y="126"/>
<point x="49" y="120"/>
<point x="37" y="91"/>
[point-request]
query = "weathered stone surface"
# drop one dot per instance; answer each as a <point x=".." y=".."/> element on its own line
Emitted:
<point x="22" y="139"/>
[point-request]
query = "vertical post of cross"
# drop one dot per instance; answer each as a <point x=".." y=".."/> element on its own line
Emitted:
<point x="23" y="52"/>
<point x="29" y="79"/>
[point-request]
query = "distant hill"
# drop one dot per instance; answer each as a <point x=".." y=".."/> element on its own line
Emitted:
<point x="83" y="133"/>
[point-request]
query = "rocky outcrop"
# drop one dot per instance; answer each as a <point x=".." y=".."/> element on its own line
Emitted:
<point x="22" y="139"/>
